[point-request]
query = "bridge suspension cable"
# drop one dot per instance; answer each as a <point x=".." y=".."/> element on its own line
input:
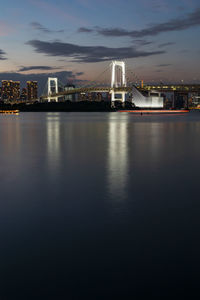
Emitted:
<point x="134" y="75"/>
<point x="94" y="82"/>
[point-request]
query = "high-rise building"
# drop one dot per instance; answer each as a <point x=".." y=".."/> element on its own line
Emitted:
<point x="7" y="90"/>
<point x="24" y="94"/>
<point x="32" y="90"/>
<point x="10" y="90"/>
<point x="16" y="90"/>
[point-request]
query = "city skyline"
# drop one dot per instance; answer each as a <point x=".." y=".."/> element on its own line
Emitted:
<point x="13" y="91"/>
<point x="75" y="41"/>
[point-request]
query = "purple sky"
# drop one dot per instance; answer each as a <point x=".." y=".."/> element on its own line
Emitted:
<point x="77" y="40"/>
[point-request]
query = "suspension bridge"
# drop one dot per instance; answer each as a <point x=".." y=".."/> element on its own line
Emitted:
<point x="120" y="87"/>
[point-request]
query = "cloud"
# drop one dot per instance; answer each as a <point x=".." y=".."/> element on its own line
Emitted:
<point x="188" y="21"/>
<point x="30" y="68"/>
<point x="40" y="27"/>
<point x="116" y="32"/>
<point x="166" y="44"/>
<point x="87" y="53"/>
<point x="164" y="65"/>
<point x="84" y="29"/>
<point x="2" y="53"/>
<point x="79" y="73"/>
<point x="142" y="42"/>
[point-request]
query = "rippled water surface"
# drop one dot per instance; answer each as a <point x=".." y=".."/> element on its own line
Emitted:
<point x="99" y="206"/>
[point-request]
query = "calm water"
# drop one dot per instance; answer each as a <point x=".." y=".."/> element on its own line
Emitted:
<point x="99" y="206"/>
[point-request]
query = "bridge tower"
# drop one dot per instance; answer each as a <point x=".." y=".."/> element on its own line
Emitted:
<point x="118" y="79"/>
<point x="52" y="84"/>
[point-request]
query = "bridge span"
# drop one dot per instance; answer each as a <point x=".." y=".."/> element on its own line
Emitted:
<point x="187" y="88"/>
<point x="118" y="86"/>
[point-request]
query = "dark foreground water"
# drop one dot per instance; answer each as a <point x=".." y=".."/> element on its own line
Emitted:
<point x="99" y="206"/>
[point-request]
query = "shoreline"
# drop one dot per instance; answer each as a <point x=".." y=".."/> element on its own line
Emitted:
<point x="83" y="106"/>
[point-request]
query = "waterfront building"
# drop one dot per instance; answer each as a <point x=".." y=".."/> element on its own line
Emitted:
<point x="194" y="100"/>
<point x="70" y="97"/>
<point x="24" y="94"/>
<point x="10" y="90"/>
<point x="6" y="89"/>
<point x="32" y="90"/>
<point x="99" y="97"/>
<point x="180" y="100"/>
<point x="16" y="90"/>
<point x="152" y="100"/>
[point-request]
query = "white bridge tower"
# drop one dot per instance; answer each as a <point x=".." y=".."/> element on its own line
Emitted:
<point x="118" y="79"/>
<point x="52" y="84"/>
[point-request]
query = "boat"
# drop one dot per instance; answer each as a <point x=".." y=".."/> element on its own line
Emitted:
<point x="9" y="112"/>
<point x="156" y="111"/>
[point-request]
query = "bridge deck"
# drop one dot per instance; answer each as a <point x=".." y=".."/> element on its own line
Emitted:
<point x="189" y="88"/>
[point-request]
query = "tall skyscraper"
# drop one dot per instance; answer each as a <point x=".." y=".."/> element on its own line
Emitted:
<point x="32" y="90"/>
<point x="24" y="94"/>
<point x="10" y="90"/>
<point x="6" y="90"/>
<point x="16" y="90"/>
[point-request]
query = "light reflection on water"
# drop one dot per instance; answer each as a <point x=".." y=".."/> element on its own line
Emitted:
<point x="63" y="177"/>
<point x="117" y="156"/>
<point x="53" y="141"/>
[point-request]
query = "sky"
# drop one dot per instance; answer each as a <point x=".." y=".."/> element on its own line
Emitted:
<point x="76" y="40"/>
